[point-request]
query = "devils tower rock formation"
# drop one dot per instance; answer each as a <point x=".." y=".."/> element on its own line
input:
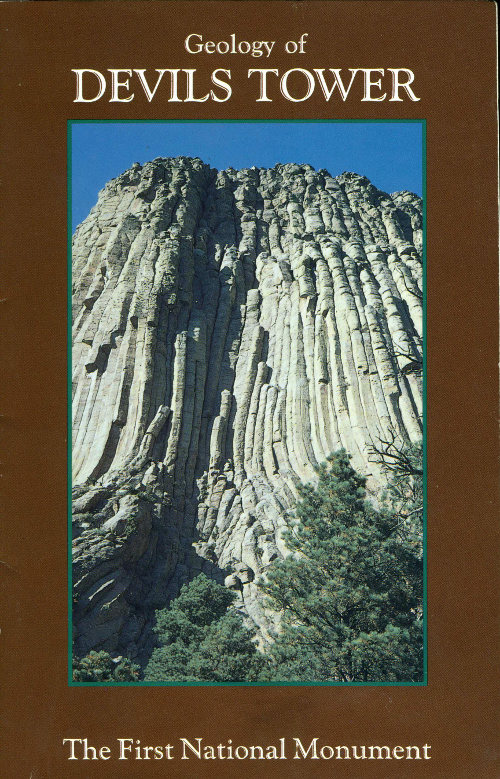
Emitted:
<point x="231" y="329"/>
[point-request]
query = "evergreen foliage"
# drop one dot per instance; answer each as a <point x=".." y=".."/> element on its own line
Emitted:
<point x="350" y="594"/>
<point x="100" y="667"/>
<point x="201" y="641"/>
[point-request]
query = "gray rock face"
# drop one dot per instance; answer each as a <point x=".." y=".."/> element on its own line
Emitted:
<point x="231" y="329"/>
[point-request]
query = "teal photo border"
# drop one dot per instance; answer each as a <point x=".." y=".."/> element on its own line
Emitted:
<point x="70" y="124"/>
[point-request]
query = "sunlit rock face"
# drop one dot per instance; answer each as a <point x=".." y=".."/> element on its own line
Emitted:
<point x="230" y="330"/>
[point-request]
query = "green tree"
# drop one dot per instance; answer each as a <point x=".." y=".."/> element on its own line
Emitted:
<point x="101" y="667"/>
<point x="350" y="594"/>
<point x="201" y="640"/>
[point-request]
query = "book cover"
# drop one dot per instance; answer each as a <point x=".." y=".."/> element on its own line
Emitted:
<point x="250" y="456"/>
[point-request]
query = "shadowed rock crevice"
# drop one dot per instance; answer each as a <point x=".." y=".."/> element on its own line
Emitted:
<point x="231" y="329"/>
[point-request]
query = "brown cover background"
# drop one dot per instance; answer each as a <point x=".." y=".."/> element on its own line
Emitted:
<point x="451" y="48"/>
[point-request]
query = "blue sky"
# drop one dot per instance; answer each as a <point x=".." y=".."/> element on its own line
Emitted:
<point x="388" y="153"/>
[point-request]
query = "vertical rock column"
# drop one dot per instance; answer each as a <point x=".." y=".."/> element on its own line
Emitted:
<point x="231" y="330"/>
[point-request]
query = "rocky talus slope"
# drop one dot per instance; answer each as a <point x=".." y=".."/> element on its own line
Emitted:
<point x="231" y="329"/>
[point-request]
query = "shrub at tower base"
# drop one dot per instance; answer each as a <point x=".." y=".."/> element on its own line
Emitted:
<point x="201" y="640"/>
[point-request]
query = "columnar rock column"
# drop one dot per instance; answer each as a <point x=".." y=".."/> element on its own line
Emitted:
<point x="231" y="329"/>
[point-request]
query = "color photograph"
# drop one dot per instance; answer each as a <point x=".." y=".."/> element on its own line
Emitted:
<point x="247" y="402"/>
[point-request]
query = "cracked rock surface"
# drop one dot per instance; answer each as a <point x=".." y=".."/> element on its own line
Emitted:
<point x="230" y="330"/>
